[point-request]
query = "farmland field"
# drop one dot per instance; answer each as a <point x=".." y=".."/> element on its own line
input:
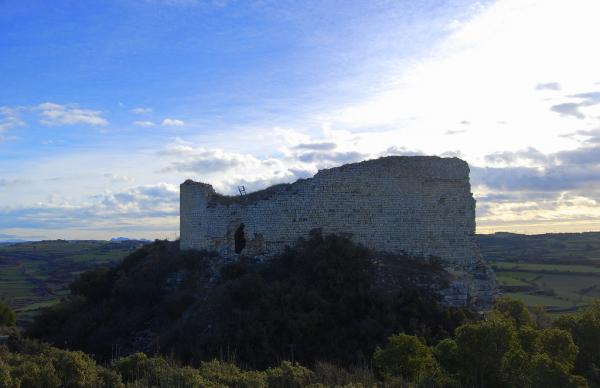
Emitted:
<point x="559" y="271"/>
<point x="35" y="275"/>
<point x="535" y="267"/>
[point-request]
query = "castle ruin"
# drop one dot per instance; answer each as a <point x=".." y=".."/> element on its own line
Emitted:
<point x="418" y="205"/>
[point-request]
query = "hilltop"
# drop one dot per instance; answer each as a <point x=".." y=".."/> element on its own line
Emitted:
<point x="326" y="298"/>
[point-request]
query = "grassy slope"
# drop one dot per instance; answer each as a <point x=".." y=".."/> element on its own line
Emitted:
<point x="35" y="275"/>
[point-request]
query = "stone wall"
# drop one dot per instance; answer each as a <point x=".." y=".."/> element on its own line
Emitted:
<point x="418" y="205"/>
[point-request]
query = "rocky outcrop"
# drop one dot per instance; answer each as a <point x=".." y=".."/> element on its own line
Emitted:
<point x="421" y="206"/>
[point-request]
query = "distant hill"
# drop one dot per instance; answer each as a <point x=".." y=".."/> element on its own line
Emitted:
<point x="12" y="241"/>
<point x="122" y="239"/>
<point x="34" y="275"/>
<point x="567" y="248"/>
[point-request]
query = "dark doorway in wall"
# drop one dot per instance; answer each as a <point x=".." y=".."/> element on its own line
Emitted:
<point x="240" y="239"/>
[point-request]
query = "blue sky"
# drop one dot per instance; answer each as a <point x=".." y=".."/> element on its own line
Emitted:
<point x="106" y="106"/>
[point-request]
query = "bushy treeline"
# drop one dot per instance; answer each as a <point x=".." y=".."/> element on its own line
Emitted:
<point x="316" y="301"/>
<point x="316" y="304"/>
<point x="511" y="347"/>
<point x="49" y="367"/>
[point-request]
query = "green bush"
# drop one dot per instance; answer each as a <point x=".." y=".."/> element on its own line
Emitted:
<point x="6" y="379"/>
<point x="559" y="346"/>
<point x="288" y="375"/>
<point x="7" y="315"/>
<point x="514" y="310"/>
<point x="108" y="378"/>
<point x="547" y="373"/>
<point x="74" y="369"/>
<point x="228" y="374"/>
<point x="37" y="372"/>
<point x="584" y="327"/>
<point x="494" y="353"/>
<point x="404" y="356"/>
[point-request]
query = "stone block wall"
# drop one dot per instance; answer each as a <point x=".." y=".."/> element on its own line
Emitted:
<point x="418" y="205"/>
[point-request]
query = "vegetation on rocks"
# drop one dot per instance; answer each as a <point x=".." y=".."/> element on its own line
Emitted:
<point x="316" y="301"/>
<point x="507" y="348"/>
<point x="315" y="316"/>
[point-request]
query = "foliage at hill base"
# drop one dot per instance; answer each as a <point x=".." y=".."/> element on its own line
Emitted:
<point x="320" y="300"/>
<point x="510" y="347"/>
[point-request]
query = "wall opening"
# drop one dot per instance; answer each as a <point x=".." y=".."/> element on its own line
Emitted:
<point x="240" y="239"/>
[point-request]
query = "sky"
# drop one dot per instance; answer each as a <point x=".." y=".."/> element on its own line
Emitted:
<point x="106" y="106"/>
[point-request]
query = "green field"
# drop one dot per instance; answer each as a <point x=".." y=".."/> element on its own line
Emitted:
<point x="553" y="248"/>
<point x="559" y="271"/>
<point x="539" y="267"/>
<point x="35" y="275"/>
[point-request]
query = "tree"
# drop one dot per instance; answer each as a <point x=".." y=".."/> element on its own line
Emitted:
<point x="482" y="348"/>
<point x="447" y="355"/>
<point x="516" y="368"/>
<point x="6" y="380"/>
<point x="75" y="369"/>
<point x="559" y="345"/>
<point x="515" y="310"/>
<point x="404" y="356"/>
<point x="547" y="373"/>
<point x="585" y="330"/>
<point x="7" y="315"/>
<point x="529" y="339"/>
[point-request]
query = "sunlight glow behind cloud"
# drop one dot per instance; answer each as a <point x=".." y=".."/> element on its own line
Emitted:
<point x="511" y="86"/>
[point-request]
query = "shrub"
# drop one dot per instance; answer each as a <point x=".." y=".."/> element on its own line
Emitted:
<point x="514" y="310"/>
<point x="7" y="315"/>
<point x="547" y="373"/>
<point x="482" y="348"/>
<point x="228" y="374"/>
<point x="289" y="375"/>
<point x="559" y="346"/>
<point x="74" y="369"/>
<point x="108" y="378"/>
<point x="404" y="356"/>
<point x="6" y="380"/>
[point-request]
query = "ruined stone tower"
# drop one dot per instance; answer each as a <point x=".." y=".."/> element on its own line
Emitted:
<point x="418" y="205"/>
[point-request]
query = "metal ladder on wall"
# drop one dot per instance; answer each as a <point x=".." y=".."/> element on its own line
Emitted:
<point x="242" y="190"/>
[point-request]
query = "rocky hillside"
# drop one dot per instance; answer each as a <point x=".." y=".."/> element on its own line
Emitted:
<point x="324" y="299"/>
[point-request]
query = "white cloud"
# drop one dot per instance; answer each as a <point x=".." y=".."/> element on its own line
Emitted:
<point x="172" y="123"/>
<point x="151" y="209"/>
<point x="141" y="111"/>
<point x="57" y="114"/>
<point x="118" y="178"/>
<point x="10" y="118"/>
<point x="144" y="123"/>
<point x="7" y="183"/>
<point x="508" y="71"/>
<point x="548" y="86"/>
<point x="488" y="71"/>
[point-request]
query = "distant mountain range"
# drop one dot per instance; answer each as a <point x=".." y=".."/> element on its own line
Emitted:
<point x="114" y="240"/>
<point x="121" y="239"/>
